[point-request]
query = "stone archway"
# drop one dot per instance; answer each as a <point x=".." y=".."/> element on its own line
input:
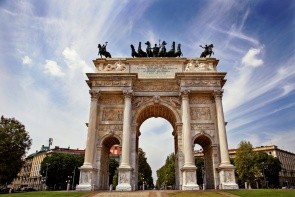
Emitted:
<point x="156" y="107"/>
<point x="211" y="160"/>
<point x="103" y="160"/>
<point x="186" y="92"/>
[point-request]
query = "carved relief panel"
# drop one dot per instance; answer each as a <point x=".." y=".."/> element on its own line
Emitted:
<point x="112" y="114"/>
<point x="111" y="100"/>
<point x="157" y="86"/>
<point x="200" y="113"/>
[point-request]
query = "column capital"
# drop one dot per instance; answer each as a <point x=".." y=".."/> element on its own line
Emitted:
<point x="185" y="93"/>
<point x="128" y="93"/>
<point x="217" y="94"/>
<point x="94" y="94"/>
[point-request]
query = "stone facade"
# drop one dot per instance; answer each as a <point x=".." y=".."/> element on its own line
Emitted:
<point x="186" y="92"/>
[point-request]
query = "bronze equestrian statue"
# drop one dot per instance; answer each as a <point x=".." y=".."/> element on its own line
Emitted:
<point x="149" y="51"/>
<point x="103" y="51"/>
<point x="157" y="51"/>
<point x="140" y="52"/>
<point x="171" y="52"/>
<point x="162" y="52"/>
<point x="178" y="52"/>
<point x="207" y="51"/>
<point x="133" y="52"/>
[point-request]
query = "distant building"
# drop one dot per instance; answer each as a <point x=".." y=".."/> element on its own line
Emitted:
<point x="115" y="152"/>
<point x="29" y="175"/>
<point x="287" y="159"/>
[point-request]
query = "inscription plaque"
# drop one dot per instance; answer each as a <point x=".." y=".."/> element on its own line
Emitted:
<point x="155" y="71"/>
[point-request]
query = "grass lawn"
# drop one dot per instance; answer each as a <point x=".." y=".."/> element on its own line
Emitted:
<point x="195" y="193"/>
<point x="264" y="192"/>
<point x="46" y="194"/>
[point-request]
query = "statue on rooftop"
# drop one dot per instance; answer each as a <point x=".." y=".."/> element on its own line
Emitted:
<point x="207" y="50"/>
<point x="156" y="51"/>
<point x="103" y="51"/>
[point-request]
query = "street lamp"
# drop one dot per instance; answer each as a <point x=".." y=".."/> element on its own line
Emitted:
<point x="73" y="182"/>
<point x="142" y="183"/>
<point x="68" y="183"/>
<point x="203" y="176"/>
<point x="263" y="174"/>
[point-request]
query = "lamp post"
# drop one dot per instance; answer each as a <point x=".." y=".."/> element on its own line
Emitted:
<point x="73" y="182"/>
<point x="203" y="176"/>
<point x="68" y="183"/>
<point x="142" y="183"/>
<point x="263" y="174"/>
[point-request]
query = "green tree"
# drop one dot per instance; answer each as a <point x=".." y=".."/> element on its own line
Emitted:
<point x="59" y="168"/>
<point x="112" y="170"/>
<point x="268" y="168"/>
<point x="14" y="142"/>
<point x="166" y="174"/>
<point x="199" y="161"/>
<point x="144" y="170"/>
<point x="245" y="162"/>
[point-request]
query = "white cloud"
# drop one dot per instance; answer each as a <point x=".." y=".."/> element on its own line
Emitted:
<point x="27" y="60"/>
<point x="74" y="61"/>
<point x="288" y="88"/>
<point x="51" y="67"/>
<point x="251" y="60"/>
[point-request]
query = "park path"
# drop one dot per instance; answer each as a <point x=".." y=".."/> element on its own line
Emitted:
<point x="151" y="193"/>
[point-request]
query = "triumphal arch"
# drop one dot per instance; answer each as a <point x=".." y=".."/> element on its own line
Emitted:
<point x="185" y="91"/>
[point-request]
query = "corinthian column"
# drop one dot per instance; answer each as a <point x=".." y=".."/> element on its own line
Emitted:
<point x="186" y="130"/>
<point x="91" y="135"/>
<point x="221" y="129"/>
<point x="125" y="162"/>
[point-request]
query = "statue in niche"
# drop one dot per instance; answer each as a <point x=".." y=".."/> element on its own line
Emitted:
<point x="207" y="50"/>
<point x="103" y="51"/>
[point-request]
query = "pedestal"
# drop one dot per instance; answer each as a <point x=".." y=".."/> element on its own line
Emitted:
<point x="189" y="178"/>
<point x="124" y="179"/>
<point x="227" y="177"/>
<point x="87" y="179"/>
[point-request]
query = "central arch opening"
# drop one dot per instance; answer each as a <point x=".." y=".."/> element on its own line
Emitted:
<point x="156" y="137"/>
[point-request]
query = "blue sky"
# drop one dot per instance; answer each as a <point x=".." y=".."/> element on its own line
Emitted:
<point x="48" y="46"/>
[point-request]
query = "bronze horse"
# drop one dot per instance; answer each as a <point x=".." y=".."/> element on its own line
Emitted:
<point x="140" y="52"/>
<point x="171" y="52"/>
<point x="103" y="51"/>
<point x="133" y="52"/>
<point x="208" y="50"/>
<point x="149" y="51"/>
<point x="178" y="52"/>
<point x="162" y="52"/>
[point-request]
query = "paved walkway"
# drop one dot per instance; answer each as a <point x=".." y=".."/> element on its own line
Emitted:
<point x="150" y="193"/>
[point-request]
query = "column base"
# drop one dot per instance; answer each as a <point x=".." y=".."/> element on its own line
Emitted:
<point x="124" y="179"/>
<point x="227" y="177"/>
<point x="189" y="178"/>
<point x="87" y="181"/>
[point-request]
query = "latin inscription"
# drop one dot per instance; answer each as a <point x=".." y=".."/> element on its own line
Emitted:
<point x="155" y="71"/>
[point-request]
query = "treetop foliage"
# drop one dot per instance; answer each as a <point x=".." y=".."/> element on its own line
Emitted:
<point x="14" y="142"/>
<point x="256" y="167"/>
